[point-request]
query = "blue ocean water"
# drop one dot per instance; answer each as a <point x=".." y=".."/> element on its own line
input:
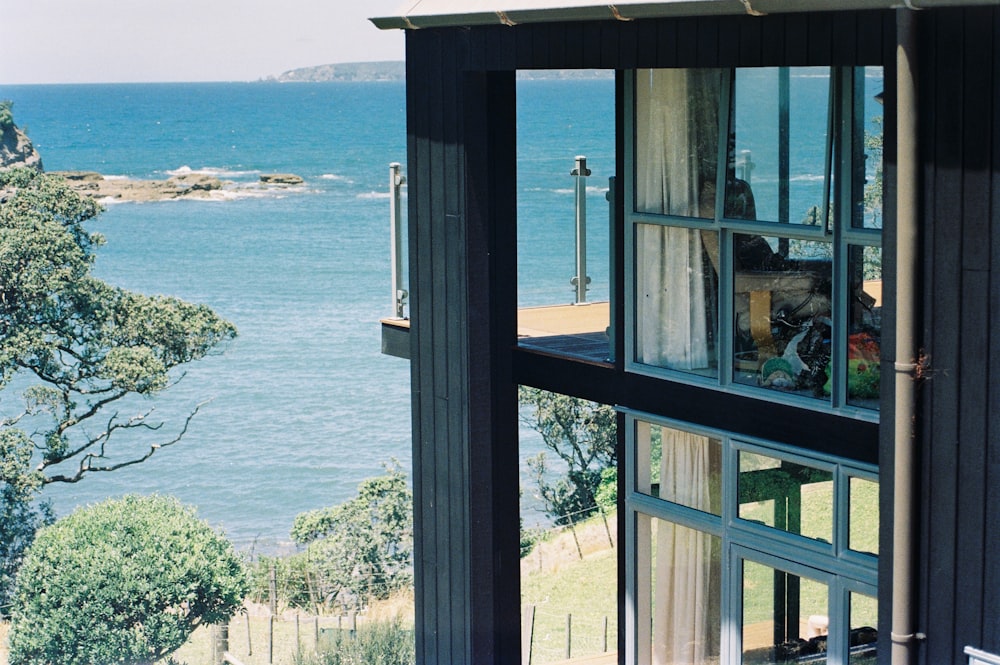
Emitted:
<point x="303" y="405"/>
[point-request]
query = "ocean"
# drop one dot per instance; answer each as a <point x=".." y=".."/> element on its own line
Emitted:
<point x="302" y="406"/>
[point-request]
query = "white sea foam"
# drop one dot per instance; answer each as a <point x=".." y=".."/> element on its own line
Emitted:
<point x="374" y="195"/>
<point x="337" y="177"/>
<point x="212" y="171"/>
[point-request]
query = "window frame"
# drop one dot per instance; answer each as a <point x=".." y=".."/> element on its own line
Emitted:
<point x="844" y="236"/>
<point x="843" y="570"/>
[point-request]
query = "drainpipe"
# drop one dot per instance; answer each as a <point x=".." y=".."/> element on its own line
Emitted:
<point x="904" y="511"/>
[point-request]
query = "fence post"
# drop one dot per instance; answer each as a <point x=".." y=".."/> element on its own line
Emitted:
<point x="270" y="639"/>
<point x="605" y="646"/>
<point x="527" y="633"/>
<point x="273" y="589"/>
<point x="569" y="636"/>
<point x="572" y="528"/>
<point x="249" y="641"/>
<point x="315" y="633"/>
<point x="581" y="280"/>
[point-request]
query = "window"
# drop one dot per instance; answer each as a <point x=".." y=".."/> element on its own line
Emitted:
<point x="754" y="231"/>
<point x="746" y="551"/>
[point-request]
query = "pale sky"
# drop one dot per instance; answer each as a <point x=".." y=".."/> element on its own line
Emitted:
<point x="112" y="41"/>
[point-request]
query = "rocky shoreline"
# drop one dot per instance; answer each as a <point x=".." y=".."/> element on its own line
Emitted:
<point x="186" y="186"/>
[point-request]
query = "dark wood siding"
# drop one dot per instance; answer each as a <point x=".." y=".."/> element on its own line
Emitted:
<point x="960" y="442"/>
<point x="465" y="366"/>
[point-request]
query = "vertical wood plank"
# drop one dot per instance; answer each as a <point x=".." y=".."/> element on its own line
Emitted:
<point x="991" y="499"/>
<point x="944" y="345"/>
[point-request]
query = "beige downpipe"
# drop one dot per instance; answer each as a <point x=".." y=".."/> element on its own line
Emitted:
<point x="904" y="634"/>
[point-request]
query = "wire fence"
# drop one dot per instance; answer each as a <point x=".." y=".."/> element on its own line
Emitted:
<point x="569" y="590"/>
<point x="263" y="639"/>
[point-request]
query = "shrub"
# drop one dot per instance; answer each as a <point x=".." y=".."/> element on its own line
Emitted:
<point x="383" y="643"/>
<point x="124" y="581"/>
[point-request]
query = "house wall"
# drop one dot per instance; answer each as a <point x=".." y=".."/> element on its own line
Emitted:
<point x="959" y="118"/>
<point x="465" y="367"/>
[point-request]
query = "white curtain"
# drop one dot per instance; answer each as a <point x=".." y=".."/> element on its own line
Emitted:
<point x="677" y="146"/>
<point x="685" y="618"/>
<point x="677" y="154"/>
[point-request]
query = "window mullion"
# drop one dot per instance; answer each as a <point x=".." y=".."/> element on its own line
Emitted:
<point x="724" y="343"/>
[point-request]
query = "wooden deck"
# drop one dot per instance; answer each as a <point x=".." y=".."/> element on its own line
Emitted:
<point x="576" y="330"/>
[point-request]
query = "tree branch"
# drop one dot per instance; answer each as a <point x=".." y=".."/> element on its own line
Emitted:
<point x="86" y="464"/>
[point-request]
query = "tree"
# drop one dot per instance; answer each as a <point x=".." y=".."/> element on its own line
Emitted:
<point x="76" y="348"/>
<point x="124" y="581"/>
<point x="363" y="547"/>
<point x="584" y="436"/>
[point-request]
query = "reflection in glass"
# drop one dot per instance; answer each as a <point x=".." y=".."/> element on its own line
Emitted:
<point x="782" y="317"/>
<point x="682" y="569"/>
<point x="869" y="86"/>
<point x="863" y="634"/>
<point x="676" y="298"/>
<point x="680" y="467"/>
<point x="677" y="139"/>
<point x="864" y="516"/>
<point x="787" y="496"/>
<point x="785" y="616"/>
<point x="779" y="142"/>
<point x="865" y="326"/>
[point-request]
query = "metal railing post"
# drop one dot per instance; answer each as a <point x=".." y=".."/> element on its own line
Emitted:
<point x="581" y="280"/>
<point x="612" y="267"/>
<point x="399" y="294"/>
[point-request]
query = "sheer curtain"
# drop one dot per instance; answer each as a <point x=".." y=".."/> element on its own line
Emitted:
<point x="686" y="602"/>
<point x="676" y="157"/>
<point x="676" y="160"/>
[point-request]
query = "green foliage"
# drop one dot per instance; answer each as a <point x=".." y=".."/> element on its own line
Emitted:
<point x="363" y="547"/>
<point x="607" y="491"/>
<point x="293" y="578"/>
<point x="6" y="115"/>
<point x="383" y="643"/>
<point x="19" y="516"/>
<point x="124" y="581"/>
<point x="80" y="346"/>
<point x="584" y="436"/>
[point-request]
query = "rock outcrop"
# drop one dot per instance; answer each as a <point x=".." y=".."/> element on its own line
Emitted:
<point x="281" y="179"/>
<point x="95" y="185"/>
<point x="16" y="148"/>
<point x="183" y="186"/>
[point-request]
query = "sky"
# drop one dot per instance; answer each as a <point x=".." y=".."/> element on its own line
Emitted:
<point x="117" y="41"/>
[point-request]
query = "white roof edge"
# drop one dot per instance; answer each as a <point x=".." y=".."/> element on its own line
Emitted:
<point x="445" y="13"/>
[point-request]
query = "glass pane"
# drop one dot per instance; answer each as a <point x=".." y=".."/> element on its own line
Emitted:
<point x="869" y="88"/>
<point x="677" y="141"/>
<point x="864" y="516"/>
<point x="785" y="616"/>
<point x="680" y="467"/>
<point x="778" y="148"/>
<point x="782" y="318"/>
<point x="786" y="496"/>
<point x="567" y="516"/>
<point x="677" y="290"/>
<point x="554" y="315"/>
<point x="865" y="326"/>
<point x="863" y="635"/>
<point x="681" y="622"/>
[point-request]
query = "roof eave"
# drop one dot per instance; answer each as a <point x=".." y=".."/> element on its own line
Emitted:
<point x="634" y="11"/>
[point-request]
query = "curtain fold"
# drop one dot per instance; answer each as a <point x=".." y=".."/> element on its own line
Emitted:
<point x="677" y="154"/>
<point x="676" y="170"/>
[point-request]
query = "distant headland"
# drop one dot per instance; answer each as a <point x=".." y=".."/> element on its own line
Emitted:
<point x="396" y="71"/>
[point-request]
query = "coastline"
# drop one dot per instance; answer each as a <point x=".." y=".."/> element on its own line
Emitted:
<point x="184" y="186"/>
